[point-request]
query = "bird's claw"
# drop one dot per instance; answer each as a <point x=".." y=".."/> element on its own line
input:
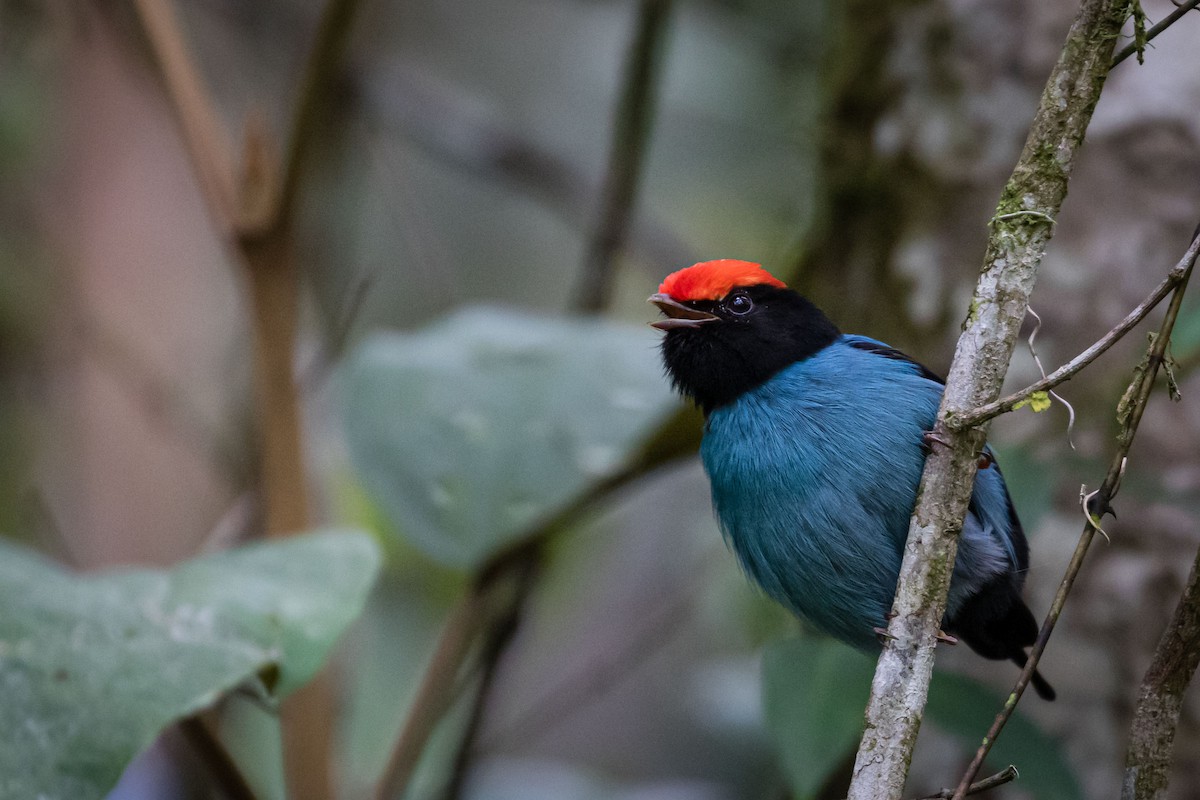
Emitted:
<point x="942" y="636"/>
<point x="984" y="460"/>
<point x="930" y="438"/>
<point x="884" y="636"/>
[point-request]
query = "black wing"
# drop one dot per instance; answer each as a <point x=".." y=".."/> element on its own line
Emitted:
<point x="879" y="348"/>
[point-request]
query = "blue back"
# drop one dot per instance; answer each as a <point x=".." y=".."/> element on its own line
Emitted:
<point x="814" y="477"/>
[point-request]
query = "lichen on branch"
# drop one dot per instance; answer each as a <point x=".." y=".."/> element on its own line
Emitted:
<point x="1020" y="231"/>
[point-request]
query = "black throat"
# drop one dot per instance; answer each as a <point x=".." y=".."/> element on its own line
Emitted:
<point x="717" y="362"/>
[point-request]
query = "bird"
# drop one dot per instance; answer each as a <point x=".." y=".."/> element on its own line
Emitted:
<point x="814" y="443"/>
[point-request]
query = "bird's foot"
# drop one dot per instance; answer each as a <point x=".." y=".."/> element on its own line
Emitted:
<point x="884" y="636"/>
<point x="930" y="438"/>
<point x="942" y="636"/>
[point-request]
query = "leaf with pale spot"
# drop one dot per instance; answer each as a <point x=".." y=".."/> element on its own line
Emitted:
<point x="472" y="430"/>
<point x="94" y="666"/>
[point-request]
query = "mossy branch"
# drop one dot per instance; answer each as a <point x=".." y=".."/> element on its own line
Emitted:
<point x="1020" y="231"/>
<point x="1143" y="37"/>
<point x="1095" y="504"/>
<point x="1160" y="698"/>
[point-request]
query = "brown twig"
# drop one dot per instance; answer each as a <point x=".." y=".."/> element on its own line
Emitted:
<point x="216" y="758"/>
<point x="678" y="437"/>
<point x="1133" y="405"/>
<point x="254" y="209"/>
<point x="630" y="135"/>
<point x="1006" y="775"/>
<point x="1160" y="698"/>
<point x="270" y="188"/>
<point x="325" y="56"/>
<point x="435" y="692"/>
<point x="1067" y="371"/>
<point x="503" y="626"/>
<point x="631" y="131"/>
<point x="204" y="136"/>
<point x="270" y="262"/>
<point x="453" y="130"/>
<point x="1139" y="47"/>
<point x="574" y="692"/>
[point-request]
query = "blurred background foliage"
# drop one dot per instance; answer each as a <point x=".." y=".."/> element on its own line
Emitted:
<point x="856" y="147"/>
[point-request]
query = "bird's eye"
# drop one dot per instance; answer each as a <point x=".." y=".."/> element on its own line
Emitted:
<point x="740" y="304"/>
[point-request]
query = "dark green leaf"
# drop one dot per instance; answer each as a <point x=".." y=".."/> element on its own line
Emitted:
<point x="1026" y="477"/>
<point x="1185" y="337"/>
<point x="964" y="707"/>
<point x="92" y="667"/>
<point x="814" y="693"/>
<point x="473" y="429"/>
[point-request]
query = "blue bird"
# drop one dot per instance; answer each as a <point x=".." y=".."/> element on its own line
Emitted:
<point x="814" y="444"/>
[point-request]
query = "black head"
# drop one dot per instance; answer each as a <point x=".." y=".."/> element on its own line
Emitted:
<point x="717" y="349"/>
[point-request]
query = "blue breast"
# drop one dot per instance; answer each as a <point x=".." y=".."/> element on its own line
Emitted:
<point x="814" y="477"/>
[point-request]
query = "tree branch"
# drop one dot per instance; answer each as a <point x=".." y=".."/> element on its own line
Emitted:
<point x="1129" y="411"/>
<point x="502" y="627"/>
<point x="254" y="210"/>
<point x="1160" y="698"/>
<point x="1020" y="231"/>
<point x="1139" y="46"/>
<point x="1067" y="371"/>
<point x="677" y="438"/>
<point x="453" y="130"/>
<point x="325" y="56"/>
<point x="521" y="561"/>
<point x="631" y="130"/>
<point x="221" y="766"/>
<point x="203" y="134"/>
<point x="1006" y="775"/>
<point x="435" y="692"/>
<point x="573" y="692"/>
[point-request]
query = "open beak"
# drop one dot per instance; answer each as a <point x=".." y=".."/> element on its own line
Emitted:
<point x="678" y="315"/>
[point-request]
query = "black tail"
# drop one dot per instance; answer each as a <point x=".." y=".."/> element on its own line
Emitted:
<point x="1040" y="684"/>
<point x="997" y="624"/>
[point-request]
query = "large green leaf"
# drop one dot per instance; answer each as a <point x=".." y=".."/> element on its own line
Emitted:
<point x="1025" y="475"/>
<point x="815" y="691"/>
<point x="814" y="694"/>
<point x="964" y="707"/>
<point x="92" y="667"/>
<point x="473" y="429"/>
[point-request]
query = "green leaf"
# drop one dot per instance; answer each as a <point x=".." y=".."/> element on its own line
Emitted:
<point x="1025" y="474"/>
<point x="814" y="693"/>
<point x="1038" y="401"/>
<point x="92" y="667"/>
<point x="1185" y="336"/>
<point x="965" y="708"/>
<point x="470" y="431"/>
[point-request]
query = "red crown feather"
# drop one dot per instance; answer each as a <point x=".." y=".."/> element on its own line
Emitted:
<point x="712" y="280"/>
